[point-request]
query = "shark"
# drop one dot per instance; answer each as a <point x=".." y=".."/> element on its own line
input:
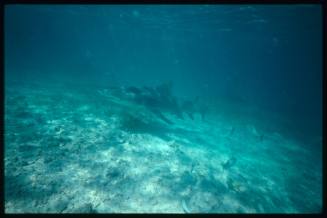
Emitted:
<point x="159" y="100"/>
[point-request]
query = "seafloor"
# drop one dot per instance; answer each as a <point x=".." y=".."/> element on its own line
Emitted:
<point x="73" y="150"/>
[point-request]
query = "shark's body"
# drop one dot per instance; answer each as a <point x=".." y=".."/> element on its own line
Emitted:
<point x="159" y="100"/>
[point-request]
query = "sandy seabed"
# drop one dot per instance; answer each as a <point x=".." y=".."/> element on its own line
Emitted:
<point x="74" y="151"/>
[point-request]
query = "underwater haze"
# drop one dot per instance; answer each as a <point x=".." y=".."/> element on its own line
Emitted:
<point x="163" y="109"/>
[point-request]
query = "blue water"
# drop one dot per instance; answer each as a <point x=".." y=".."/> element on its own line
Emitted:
<point x="163" y="109"/>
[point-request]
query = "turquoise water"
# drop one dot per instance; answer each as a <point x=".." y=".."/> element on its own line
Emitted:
<point x="163" y="109"/>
